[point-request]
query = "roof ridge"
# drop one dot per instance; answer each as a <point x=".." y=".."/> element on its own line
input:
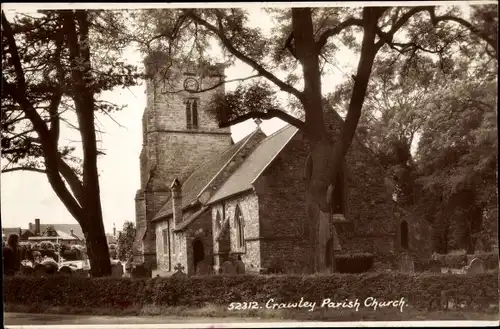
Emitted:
<point x="247" y="138"/>
<point x="203" y="164"/>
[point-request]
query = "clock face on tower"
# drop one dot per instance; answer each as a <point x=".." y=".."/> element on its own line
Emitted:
<point x="191" y="84"/>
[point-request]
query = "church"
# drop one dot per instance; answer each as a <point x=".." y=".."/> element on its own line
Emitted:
<point x="204" y="198"/>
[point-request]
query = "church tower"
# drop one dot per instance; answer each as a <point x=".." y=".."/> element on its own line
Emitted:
<point x="178" y="136"/>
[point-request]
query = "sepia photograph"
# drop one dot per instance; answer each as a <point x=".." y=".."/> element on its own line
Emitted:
<point x="248" y="165"/>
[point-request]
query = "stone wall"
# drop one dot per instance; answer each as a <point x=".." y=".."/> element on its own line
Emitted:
<point x="183" y="250"/>
<point x="171" y="150"/>
<point x="249" y="206"/>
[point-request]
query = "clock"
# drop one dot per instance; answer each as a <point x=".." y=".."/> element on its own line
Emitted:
<point x="191" y="84"/>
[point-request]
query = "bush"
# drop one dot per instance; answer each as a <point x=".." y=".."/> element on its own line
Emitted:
<point x="354" y="263"/>
<point x="425" y="291"/>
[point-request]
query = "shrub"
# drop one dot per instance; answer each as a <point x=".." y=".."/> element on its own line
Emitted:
<point x="354" y="263"/>
<point x="425" y="291"/>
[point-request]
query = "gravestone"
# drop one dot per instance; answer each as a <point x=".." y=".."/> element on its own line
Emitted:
<point x="65" y="270"/>
<point x="228" y="268"/>
<point x="476" y="266"/>
<point x="117" y="270"/>
<point x="140" y="271"/>
<point x="435" y="266"/>
<point x="27" y="270"/>
<point x="406" y="263"/>
<point x="179" y="274"/>
<point x="40" y="270"/>
<point x="203" y="268"/>
<point x="239" y="267"/>
<point x="80" y="273"/>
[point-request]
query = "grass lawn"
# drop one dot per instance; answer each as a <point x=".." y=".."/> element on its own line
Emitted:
<point x="365" y="314"/>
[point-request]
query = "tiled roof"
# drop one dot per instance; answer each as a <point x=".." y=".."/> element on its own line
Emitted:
<point x="66" y="228"/>
<point x="191" y="219"/>
<point x="60" y="235"/>
<point x="243" y="177"/>
<point x="202" y="176"/>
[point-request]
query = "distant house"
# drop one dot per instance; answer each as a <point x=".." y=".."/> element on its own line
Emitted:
<point x="7" y="231"/>
<point x="71" y="234"/>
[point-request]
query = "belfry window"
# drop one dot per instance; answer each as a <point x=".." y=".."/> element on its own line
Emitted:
<point x="191" y="113"/>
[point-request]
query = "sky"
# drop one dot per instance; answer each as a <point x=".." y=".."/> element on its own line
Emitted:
<point x="27" y="195"/>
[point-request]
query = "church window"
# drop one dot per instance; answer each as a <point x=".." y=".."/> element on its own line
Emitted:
<point x="192" y="113"/>
<point x="166" y="242"/>
<point x="239" y="225"/>
<point x="218" y="222"/>
<point x="404" y="234"/>
<point x="339" y="195"/>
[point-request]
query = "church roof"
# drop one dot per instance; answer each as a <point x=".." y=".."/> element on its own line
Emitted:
<point x="202" y="176"/>
<point x="244" y="176"/>
<point x="191" y="219"/>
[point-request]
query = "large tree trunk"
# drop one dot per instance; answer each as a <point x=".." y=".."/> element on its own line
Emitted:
<point x="97" y="246"/>
<point x="326" y="157"/>
<point x="92" y="222"/>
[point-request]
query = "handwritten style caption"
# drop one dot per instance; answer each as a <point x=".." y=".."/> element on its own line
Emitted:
<point x="370" y="302"/>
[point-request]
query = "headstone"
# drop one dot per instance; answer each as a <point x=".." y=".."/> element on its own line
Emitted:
<point x="228" y="268"/>
<point x="65" y="270"/>
<point x="435" y="266"/>
<point x="81" y="273"/>
<point x="203" y="268"/>
<point x="476" y="266"/>
<point x="179" y="274"/>
<point x="141" y="272"/>
<point x="239" y="267"/>
<point x="40" y="270"/>
<point x="406" y="263"/>
<point x="27" y="270"/>
<point x="117" y="270"/>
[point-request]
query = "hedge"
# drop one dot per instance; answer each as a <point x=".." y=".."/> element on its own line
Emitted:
<point x="425" y="291"/>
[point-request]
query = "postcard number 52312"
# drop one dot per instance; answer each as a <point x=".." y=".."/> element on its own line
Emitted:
<point x="243" y="306"/>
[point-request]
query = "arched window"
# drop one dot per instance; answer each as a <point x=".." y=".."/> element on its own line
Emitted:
<point x="404" y="234"/>
<point x="239" y="225"/>
<point x="192" y="113"/>
<point x="218" y="222"/>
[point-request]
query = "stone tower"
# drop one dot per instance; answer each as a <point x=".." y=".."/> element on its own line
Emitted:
<point x="178" y="136"/>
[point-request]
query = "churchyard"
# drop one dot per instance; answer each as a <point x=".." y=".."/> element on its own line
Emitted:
<point x="438" y="289"/>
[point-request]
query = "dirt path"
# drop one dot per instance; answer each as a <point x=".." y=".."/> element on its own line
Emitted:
<point x="22" y="319"/>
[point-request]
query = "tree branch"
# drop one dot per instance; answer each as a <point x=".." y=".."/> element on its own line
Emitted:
<point x="49" y="148"/>
<point x="216" y="85"/>
<point x="43" y="171"/>
<point x="436" y="19"/>
<point x="244" y="58"/>
<point x="336" y="30"/>
<point x="265" y="116"/>
<point x="388" y="37"/>
<point x="72" y="179"/>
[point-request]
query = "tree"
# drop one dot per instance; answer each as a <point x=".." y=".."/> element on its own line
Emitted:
<point x="302" y="44"/>
<point x="52" y="64"/>
<point x="126" y="240"/>
<point x="442" y="103"/>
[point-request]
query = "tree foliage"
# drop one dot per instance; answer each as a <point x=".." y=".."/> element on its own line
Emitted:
<point x="126" y="240"/>
<point x="53" y="63"/>
<point x="292" y="59"/>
